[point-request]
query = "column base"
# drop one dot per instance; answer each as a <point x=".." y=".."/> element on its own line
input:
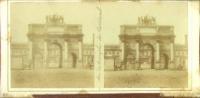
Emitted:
<point x="172" y="65"/>
<point x="65" y="65"/>
<point x="157" y="65"/>
<point x="80" y="64"/>
<point x="29" y="64"/>
<point x="137" y="65"/>
<point x="162" y="65"/>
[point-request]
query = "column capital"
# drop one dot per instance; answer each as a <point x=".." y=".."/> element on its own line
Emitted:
<point x="80" y="39"/>
<point x="158" y="41"/>
<point x="138" y="41"/>
<point x="171" y="41"/>
<point x="66" y="40"/>
<point x="46" y="40"/>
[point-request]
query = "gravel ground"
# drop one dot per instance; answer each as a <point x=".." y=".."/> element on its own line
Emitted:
<point x="146" y="79"/>
<point x="52" y="78"/>
<point x="74" y="78"/>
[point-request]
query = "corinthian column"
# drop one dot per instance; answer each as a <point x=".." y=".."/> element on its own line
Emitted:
<point x="172" y="65"/>
<point x="66" y="50"/>
<point x="80" y="50"/>
<point x="30" y="56"/>
<point x="157" y="52"/>
<point x="65" y="54"/>
<point x="172" y="51"/>
<point x="137" y="51"/>
<point x="45" y="54"/>
<point x="122" y="51"/>
<point x="157" y="64"/>
<point x="137" y="48"/>
<point x="30" y="50"/>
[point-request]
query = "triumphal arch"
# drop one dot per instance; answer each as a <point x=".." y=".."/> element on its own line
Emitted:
<point x="55" y="44"/>
<point x="147" y="45"/>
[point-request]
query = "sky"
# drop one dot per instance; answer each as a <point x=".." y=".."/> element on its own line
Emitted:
<point x="114" y="14"/>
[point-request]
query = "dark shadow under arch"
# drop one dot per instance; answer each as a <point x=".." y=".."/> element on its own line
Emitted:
<point x="60" y="52"/>
<point x="74" y="60"/>
<point x="166" y="59"/>
<point x="152" y="53"/>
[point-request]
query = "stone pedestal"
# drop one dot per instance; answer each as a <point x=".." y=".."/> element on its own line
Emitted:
<point x="172" y="65"/>
<point x="162" y="66"/>
<point x="157" y="65"/>
<point x="137" y="65"/>
<point x="79" y="64"/>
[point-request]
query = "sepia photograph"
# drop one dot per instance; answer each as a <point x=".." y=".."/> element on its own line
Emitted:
<point x="52" y="44"/>
<point x="99" y="47"/>
<point x="145" y="44"/>
<point x="98" y="44"/>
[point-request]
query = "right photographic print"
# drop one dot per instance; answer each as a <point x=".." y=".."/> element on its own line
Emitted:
<point x="145" y="44"/>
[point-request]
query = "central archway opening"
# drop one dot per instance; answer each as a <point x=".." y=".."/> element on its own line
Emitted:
<point x="73" y="60"/>
<point x="164" y="60"/>
<point x="54" y="55"/>
<point x="146" y="56"/>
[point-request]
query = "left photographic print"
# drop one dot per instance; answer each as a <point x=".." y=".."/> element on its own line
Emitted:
<point x="51" y="44"/>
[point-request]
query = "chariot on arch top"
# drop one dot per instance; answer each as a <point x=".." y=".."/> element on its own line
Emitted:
<point x="54" y="19"/>
<point x="146" y="20"/>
